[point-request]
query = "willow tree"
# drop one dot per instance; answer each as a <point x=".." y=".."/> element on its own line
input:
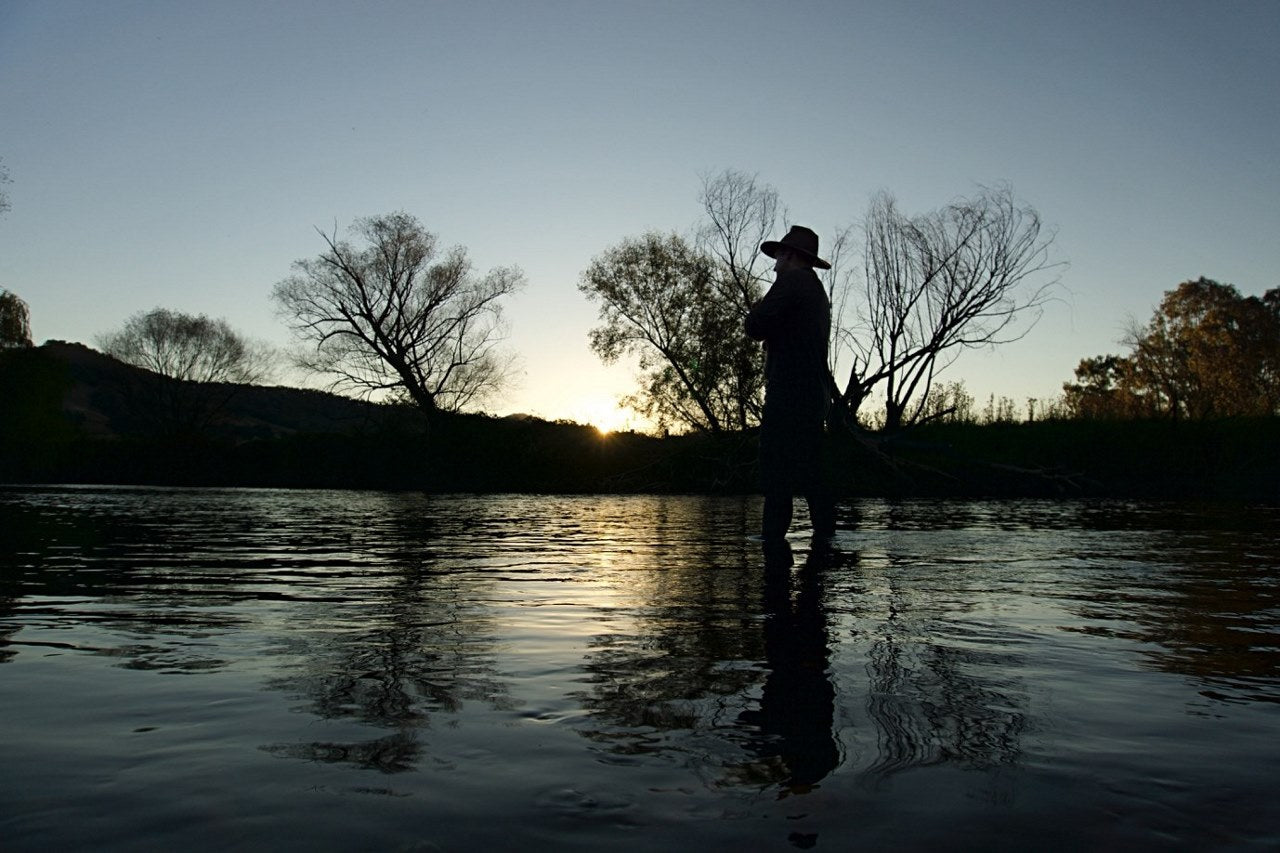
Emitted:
<point x="187" y="347"/>
<point x="197" y="365"/>
<point x="972" y="274"/>
<point x="395" y="312"/>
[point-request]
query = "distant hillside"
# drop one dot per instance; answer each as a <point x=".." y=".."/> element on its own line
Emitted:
<point x="71" y="414"/>
<point x="107" y="398"/>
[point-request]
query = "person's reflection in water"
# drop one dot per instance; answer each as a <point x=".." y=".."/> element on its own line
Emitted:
<point x="797" y="706"/>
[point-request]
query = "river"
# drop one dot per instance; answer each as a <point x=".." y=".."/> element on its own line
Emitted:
<point x="207" y="669"/>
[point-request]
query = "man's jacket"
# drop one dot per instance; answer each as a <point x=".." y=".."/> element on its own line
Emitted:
<point x="794" y="321"/>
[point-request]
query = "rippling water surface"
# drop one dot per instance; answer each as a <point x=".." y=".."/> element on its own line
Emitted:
<point x="221" y="669"/>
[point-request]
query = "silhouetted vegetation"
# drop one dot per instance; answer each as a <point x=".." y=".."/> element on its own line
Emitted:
<point x="15" y="321"/>
<point x="398" y="313"/>
<point x="206" y="361"/>
<point x="66" y="418"/>
<point x="678" y="305"/>
<point x="972" y="274"/>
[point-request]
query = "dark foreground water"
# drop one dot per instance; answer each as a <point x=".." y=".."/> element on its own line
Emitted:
<point x="235" y="669"/>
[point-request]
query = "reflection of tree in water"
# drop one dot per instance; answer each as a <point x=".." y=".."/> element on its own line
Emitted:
<point x="744" y="691"/>
<point x="681" y="683"/>
<point x="420" y="648"/>
<point x="1197" y="592"/>
<point x="418" y="655"/>
<point x="679" y="670"/>
<point x="65" y="554"/>
<point x="384" y="636"/>
<point x="930" y="706"/>
<point x="941" y="690"/>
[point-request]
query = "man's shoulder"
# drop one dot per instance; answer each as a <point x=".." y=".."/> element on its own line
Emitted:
<point x="802" y="278"/>
<point x="799" y="275"/>
<point x="804" y="284"/>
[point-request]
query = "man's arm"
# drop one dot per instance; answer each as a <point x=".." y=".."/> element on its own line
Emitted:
<point x="767" y="315"/>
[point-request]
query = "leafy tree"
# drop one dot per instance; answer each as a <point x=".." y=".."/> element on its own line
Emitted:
<point x="15" y="321"/>
<point x="972" y="274"/>
<point x="201" y="361"/>
<point x="1101" y="389"/>
<point x="678" y="305"/>
<point x="397" y="313"/>
<point x="1208" y="352"/>
<point x="659" y="300"/>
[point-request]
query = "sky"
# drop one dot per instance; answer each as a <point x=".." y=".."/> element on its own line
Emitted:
<point x="182" y="155"/>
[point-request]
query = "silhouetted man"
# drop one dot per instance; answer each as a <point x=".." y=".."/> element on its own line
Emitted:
<point x="794" y="321"/>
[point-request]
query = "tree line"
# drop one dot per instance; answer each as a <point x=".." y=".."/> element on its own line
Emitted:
<point x="1207" y="352"/>
<point x="390" y="309"/>
<point x="974" y="273"/>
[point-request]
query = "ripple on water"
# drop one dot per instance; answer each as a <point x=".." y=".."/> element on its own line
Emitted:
<point x="578" y="672"/>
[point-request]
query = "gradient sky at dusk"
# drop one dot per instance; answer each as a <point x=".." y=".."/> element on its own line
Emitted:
<point x="181" y="154"/>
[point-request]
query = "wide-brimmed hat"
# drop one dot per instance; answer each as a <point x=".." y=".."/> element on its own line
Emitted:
<point x="800" y="240"/>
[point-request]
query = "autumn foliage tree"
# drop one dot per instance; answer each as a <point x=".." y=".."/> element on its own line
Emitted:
<point x="1207" y="352"/>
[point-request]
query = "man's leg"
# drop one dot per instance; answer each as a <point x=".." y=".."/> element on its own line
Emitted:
<point x="777" y="514"/>
<point x="776" y="475"/>
<point x="822" y="512"/>
<point x="813" y="480"/>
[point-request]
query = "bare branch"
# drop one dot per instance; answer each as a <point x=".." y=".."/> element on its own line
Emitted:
<point x="397" y="312"/>
<point x="972" y="274"/>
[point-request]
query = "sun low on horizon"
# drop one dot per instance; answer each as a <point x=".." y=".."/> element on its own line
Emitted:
<point x="606" y="414"/>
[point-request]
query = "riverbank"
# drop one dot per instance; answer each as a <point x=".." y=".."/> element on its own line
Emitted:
<point x="1230" y="460"/>
<point x="72" y="415"/>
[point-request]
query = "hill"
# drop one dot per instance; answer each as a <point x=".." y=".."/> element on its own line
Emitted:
<point x="72" y="414"/>
<point x="107" y="398"/>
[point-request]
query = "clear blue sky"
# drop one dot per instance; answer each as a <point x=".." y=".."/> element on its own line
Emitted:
<point x="180" y="154"/>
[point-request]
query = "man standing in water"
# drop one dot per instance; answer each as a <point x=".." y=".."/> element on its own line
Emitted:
<point x="794" y="321"/>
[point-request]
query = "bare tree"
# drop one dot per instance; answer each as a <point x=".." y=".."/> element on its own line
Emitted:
<point x="972" y="274"/>
<point x="201" y="362"/>
<point x="740" y="215"/>
<point x="396" y="313"/>
<point x="15" y="321"/>
<point x="187" y="348"/>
